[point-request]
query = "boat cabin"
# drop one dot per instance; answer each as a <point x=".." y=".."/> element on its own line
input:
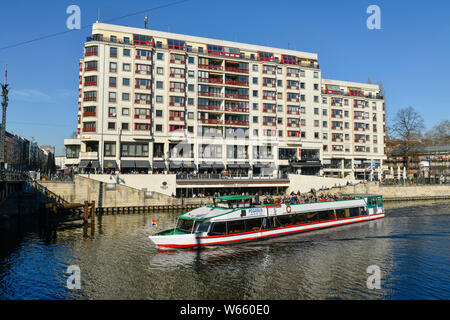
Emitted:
<point x="233" y="202"/>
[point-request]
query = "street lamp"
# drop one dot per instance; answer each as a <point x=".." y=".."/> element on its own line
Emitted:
<point x="5" y="91"/>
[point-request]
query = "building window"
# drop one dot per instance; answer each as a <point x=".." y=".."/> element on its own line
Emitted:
<point x="126" y="67"/>
<point x="255" y="93"/>
<point x="125" y="96"/>
<point x="160" y="56"/>
<point x="159" y="70"/>
<point x="110" y="149"/>
<point x="191" y="60"/>
<point x="134" y="150"/>
<point x="111" y="125"/>
<point x="255" y="106"/>
<point x="255" y="67"/>
<point x="112" y="67"/>
<point x="159" y="84"/>
<point x="158" y="128"/>
<point x="125" y="81"/>
<point x="159" y="113"/>
<point x="316" y="110"/>
<point x="125" y="111"/>
<point x="126" y="52"/>
<point x="159" y="99"/>
<point x="255" y="119"/>
<point x="125" y="126"/>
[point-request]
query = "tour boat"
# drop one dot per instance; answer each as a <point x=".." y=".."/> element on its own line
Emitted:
<point x="233" y="219"/>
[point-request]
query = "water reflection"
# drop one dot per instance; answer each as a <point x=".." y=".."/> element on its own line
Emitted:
<point x="118" y="261"/>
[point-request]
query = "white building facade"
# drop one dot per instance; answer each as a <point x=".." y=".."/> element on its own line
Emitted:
<point x="153" y="101"/>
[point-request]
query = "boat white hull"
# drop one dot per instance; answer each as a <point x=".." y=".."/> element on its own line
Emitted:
<point x="191" y="240"/>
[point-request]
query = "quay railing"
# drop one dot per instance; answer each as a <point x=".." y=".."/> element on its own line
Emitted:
<point x="237" y="177"/>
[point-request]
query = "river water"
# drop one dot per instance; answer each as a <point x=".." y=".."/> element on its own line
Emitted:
<point x="118" y="261"/>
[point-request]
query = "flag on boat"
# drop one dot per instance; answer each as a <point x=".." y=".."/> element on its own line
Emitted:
<point x="154" y="224"/>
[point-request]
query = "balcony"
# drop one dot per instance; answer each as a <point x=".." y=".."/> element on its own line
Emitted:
<point x="91" y="68"/>
<point x="237" y="70"/>
<point x="337" y="139"/>
<point x="293" y="99"/>
<point x="292" y="112"/>
<point x="90" y="83"/>
<point x="265" y="71"/>
<point x="210" y="121"/>
<point x="142" y="57"/>
<point x="236" y="122"/>
<point x="236" y="96"/>
<point x="236" y="109"/>
<point x="270" y="124"/>
<point x="210" y="94"/>
<point x="236" y="83"/>
<point x="90" y="129"/>
<point x="91" y="53"/>
<point x="269" y="98"/>
<point x="210" y="67"/>
<point x="293" y="87"/>
<point x="139" y="116"/>
<point x="138" y="86"/>
<point x="89" y="114"/>
<point x="178" y="75"/>
<point x="149" y="72"/>
<point x="336" y="115"/>
<point x="140" y="101"/>
<point x="89" y="155"/>
<point x="336" y="127"/>
<point x="211" y="80"/>
<point x="360" y="140"/>
<point x="293" y="125"/>
<point x="90" y="99"/>
<point x="359" y="129"/>
<point x="271" y="110"/>
<point x="266" y="84"/>
<point x="181" y="90"/>
<point x="210" y="108"/>
<point x="176" y="104"/>
<point x="172" y="118"/>
<point x="178" y="61"/>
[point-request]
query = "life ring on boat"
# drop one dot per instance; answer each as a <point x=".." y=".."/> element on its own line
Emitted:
<point x="288" y="209"/>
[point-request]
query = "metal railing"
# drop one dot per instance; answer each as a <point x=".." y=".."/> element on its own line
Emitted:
<point x="230" y="176"/>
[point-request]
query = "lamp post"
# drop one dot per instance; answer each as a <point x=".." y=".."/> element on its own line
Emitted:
<point x="5" y="91"/>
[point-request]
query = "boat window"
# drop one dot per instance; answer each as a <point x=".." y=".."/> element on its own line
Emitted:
<point x="203" y="227"/>
<point x="313" y="217"/>
<point x="340" y="213"/>
<point x="219" y="228"/>
<point x="236" y="226"/>
<point x="300" y="218"/>
<point x="285" y="220"/>
<point x="253" y="224"/>
<point x="372" y="202"/>
<point x="379" y="202"/>
<point x="185" y="225"/>
<point x="325" y="215"/>
<point x="354" y="212"/>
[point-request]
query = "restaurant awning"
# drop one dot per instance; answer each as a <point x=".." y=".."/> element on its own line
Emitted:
<point x="142" y="164"/>
<point x="189" y="165"/>
<point x="84" y="164"/>
<point x="233" y="165"/>
<point x="175" y="165"/>
<point x="159" y="165"/>
<point x="205" y="165"/>
<point x="110" y="164"/>
<point x="126" y="164"/>
<point x="261" y="165"/>
<point x="245" y="165"/>
<point x="95" y="164"/>
<point x="218" y="165"/>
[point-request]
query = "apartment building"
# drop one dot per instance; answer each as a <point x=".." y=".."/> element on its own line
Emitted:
<point x="152" y="101"/>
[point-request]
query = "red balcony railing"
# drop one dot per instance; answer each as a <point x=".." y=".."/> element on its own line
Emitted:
<point x="210" y="67"/>
<point x="90" y="99"/>
<point x="142" y="57"/>
<point x="91" y="68"/>
<point x="236" y="96"/>
<point x="210" y="80"/>
<point x="210" y="121"/>
<point x="89" y="114"/>
<point x="176" y="118"/>
<point x="273" y="110"/>
<point x="89" y="129"/>
<point x="177" y="61"/>
<point x="212" y="108"/>
<point x="237" y="122"/>
<point x="210" y="94"/>
<point x="91" y="53"/>
<point x="269" y="97"/>
<point x="236" y="109"/>
<point x="293" y="99"/>
<point x="234" y="69"/>
<point x="142" y="101"/>
<point x="177" y="75"/>
<point x="90" y="83"/>
<point x="176" y="104"/>
<point x="177" y="89"/>
<point x="138" y="86"/>
<point x="269" y="123"/>
<point x="236" y="83"/>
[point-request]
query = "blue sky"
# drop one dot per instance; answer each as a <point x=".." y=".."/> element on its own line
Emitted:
<point x="410" y="54"/>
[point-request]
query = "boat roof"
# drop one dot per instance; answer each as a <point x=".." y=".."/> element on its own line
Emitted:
<point x="227" y="198"/>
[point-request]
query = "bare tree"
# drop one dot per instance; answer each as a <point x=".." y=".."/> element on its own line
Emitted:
<point x="407" y="127"/>
<point x="440" y="133"/>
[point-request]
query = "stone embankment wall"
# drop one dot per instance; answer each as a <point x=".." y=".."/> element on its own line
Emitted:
<point x="112" y="194"/>
<point x="398" y="192"/>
